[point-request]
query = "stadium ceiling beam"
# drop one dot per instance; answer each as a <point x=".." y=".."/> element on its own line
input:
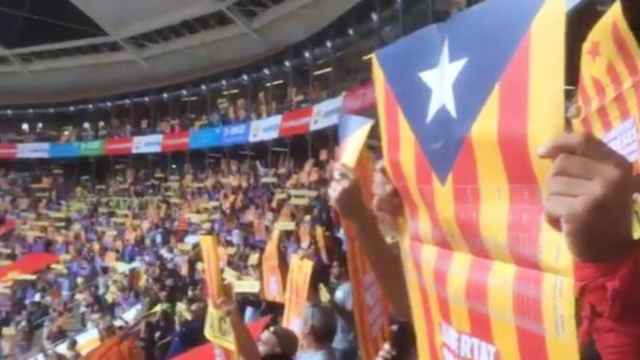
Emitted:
<point x="242" y="21"/>
<point x="15" y="61"/>
<point x="135" y="54"/>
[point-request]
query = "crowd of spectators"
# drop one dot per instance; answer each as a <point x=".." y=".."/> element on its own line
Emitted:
<point x="128" y="243"/>
<point x="126" y="121"/>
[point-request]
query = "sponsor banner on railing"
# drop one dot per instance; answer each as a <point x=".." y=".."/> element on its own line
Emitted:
<point x="57" y="151"/>
<point x="205" y="138"/>
<point x="359" y="99"/>
<point x="8" y="151"/>
<point x="147" y="144"/>
<point x="296" y="122"/>
<point x="265" y="129"/>
<point x="326" y="114"/>
<point x="292" y="123"/>
<point x="33" y="151"/>
<point x="175" y="142"/>
<point x="235" y="134"/>
<point x="118" y="146"/>
<point x="91" y="148"/>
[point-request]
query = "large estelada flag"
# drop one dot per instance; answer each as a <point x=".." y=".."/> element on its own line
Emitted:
<point x="464" y="105"/>
<point x="609" y="89"/>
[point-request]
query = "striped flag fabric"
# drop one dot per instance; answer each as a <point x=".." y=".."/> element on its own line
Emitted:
<point x="463" y="107"/>
<point x="608" y="94"/>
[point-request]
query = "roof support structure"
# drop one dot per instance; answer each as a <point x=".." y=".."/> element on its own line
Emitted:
<point x="242" y="21"/>
<point x="14" y="60"/>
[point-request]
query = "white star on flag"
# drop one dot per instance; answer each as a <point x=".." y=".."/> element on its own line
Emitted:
<point x="440" y="79"/>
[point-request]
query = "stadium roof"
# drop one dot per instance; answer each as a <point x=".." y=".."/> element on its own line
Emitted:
<point x="67" y="50"/>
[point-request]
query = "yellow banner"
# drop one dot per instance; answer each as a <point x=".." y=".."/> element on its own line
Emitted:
<point x="297" y="294"/>
<point x="217" y="327"/>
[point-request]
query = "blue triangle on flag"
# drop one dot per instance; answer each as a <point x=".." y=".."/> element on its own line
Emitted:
<point x="480" y="43"/>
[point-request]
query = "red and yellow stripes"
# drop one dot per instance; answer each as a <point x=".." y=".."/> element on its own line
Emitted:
<point x="479" y="256"/>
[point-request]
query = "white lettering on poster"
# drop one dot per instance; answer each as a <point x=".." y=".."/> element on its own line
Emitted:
<point x="461" y="346"/>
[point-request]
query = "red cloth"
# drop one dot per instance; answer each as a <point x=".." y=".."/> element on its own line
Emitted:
<point x="9" y="225"/>
<point x="609" y="300"/>
<point x="208" y="351"/>
<point x="29" y="264"/>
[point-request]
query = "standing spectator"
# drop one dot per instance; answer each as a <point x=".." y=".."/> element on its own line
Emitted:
<point x="319" y="330"/>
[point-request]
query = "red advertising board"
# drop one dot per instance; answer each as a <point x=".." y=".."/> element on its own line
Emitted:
<point x="296" y="122"/>
<point x="8" y="151"/>
<point x="175" y="142"/>
<point x="118" y="146"/>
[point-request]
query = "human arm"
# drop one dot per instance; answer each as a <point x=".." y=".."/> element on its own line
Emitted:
<point x="385" y="259"/>
<point x="589" y="199"/>
<point x="245" y="344"/>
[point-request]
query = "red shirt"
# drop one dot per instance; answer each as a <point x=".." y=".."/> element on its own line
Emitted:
<point x="609" y="303"/>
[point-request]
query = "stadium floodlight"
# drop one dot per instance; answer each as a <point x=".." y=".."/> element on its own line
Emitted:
<point x="287" y="64"/>
<point x="203" y="87"/>
<point x="351" y="32"/>
<point x="90" y="106"/>
<point x="72" y="108"/>
<point x="9" y="112"/>
<point x="329" y="44"/>
<point x="184" y="93"/>
<point x="245" y="78"/>
<point x="267" y="71"/>
<point x="51" y="110"/>
<point x="127" y="102"/>
<point x="109" y="104"/>
<point x="374" y="17"/>
<point x="165" y="96"/>
<point x="307" y="54"/>
<point x="30" y="111"/>
<point x="223" y="83"/>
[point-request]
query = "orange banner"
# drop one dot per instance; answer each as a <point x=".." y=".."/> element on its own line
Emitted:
<point x="297" y="294"/>
<point x="272" y="278"/>
<point x="370" y="308"/>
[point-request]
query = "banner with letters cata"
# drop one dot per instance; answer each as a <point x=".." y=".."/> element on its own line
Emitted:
<point x="461" y="117"/>
<point x="296" y="296"/>
<point x="370" y="307"/>
<point x="217" y="326"/>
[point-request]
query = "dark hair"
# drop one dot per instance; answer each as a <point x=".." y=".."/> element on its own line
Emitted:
<point x="322" y="323"/>
<point x="276" y="357"/>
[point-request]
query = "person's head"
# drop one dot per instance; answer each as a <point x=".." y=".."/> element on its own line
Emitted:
<point x="319" y="325"/>
<point x="277" y="341"/>
<point x="72" y="345"/>
<point x="339" y="268"/>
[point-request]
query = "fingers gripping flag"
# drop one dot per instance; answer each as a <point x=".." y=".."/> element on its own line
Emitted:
<point x="463" y="107"/>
